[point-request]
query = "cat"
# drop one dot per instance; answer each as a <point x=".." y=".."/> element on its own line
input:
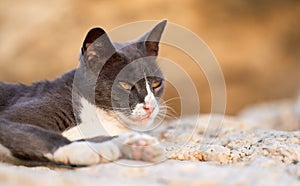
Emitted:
<point x="117" y="88"/>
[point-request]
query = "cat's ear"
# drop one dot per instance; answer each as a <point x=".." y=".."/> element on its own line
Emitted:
<point x="151" y="39"/>
<point x="97" y="44"/>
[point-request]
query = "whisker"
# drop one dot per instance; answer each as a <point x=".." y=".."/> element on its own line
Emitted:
<point x="168" y="100"/>
<point x="163" y="117"/>
<point x="169" y="109"/>
<point x="167" y="112"/>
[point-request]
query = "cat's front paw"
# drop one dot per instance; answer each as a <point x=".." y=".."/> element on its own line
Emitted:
<point x="85" y="153"/>
<point x="136" y="146"/>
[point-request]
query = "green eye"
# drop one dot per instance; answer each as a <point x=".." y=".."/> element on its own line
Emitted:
<point x="155" y="84"/>
<point x="125" y="86"/>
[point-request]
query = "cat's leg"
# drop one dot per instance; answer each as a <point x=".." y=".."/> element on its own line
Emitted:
<point x="84" y="152"/>
<point x="134" y="146"/>
<point x="31" y="143"/>
<point x="27" y="142"/>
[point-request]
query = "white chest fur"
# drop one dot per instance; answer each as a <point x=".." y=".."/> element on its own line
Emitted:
<point x="95" y="122"/>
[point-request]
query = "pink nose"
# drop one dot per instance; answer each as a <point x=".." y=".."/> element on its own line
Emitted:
<point x="148" y="108"/>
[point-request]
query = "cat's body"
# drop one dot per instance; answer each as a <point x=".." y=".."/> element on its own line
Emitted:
<point x="84" y="117"/>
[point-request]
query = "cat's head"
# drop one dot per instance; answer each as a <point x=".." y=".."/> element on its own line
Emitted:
<point x="129" y="81"/>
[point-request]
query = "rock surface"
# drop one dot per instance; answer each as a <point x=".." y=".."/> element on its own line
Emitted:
<point x="205" y="150"/>
<point x="263" y="171"/>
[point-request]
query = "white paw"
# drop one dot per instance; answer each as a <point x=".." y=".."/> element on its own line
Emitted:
<point x="138" y="146"/>
<point x="86" y="153"/>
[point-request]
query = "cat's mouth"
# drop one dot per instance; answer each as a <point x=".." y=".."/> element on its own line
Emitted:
<point x="147" y="116"/>
<point x="141" y="120"/>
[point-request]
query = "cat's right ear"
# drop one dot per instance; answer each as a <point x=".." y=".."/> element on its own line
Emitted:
<point x="152" y="38"/>
<point x="97" y="45"/>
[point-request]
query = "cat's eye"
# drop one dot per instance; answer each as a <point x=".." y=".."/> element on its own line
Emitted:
<point x="125" y="86"/>
<point x="156" y="84"/>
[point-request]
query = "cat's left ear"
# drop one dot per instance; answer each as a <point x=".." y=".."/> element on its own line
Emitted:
<point x="151" y="39"/>
<point x="97" y="45"/>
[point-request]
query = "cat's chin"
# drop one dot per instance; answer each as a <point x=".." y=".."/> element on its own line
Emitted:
<point x="137" y="123"/>
<point x="142" y="123"/>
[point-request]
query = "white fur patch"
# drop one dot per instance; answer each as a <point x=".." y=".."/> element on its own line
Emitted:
<point x="95" y="122"/>
<point x="86" y="153"/>
<point x="139" y="111"/>
<point x="149" y="101"/>
<point x="5" y="154"/>
<point x="150" y="98"/>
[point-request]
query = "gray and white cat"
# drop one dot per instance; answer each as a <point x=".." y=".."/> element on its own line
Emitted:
<point x="116" y="87"/>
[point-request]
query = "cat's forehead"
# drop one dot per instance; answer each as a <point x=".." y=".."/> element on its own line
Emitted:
<point x="140" y="69"/>
<point x="130" y="49"/>
<point x="138" y="65"/>
<point x="137" y="70"/>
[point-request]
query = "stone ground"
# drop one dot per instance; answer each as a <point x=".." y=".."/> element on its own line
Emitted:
<point x="260" y="146"/>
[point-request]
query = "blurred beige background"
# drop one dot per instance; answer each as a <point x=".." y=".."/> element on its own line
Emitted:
<point x="257" y="42"/>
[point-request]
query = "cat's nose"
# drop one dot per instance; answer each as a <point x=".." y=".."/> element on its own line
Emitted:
<point x="149" y="108"/>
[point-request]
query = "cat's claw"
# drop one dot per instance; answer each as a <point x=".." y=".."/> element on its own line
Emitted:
<point x="136" y="146"/>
